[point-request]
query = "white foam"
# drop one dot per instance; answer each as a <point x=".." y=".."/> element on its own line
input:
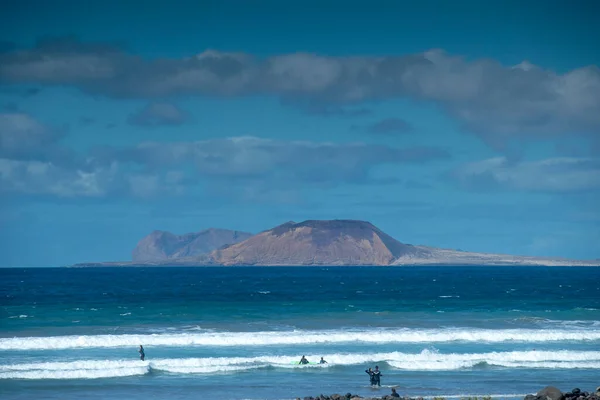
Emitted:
<point x="84" y="369"/>
<point x="302" y="337"/>
<point x="432" y="360"/>
<point x="426" y="360"/>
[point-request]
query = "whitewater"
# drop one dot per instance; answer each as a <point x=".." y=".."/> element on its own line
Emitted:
<point x="221" y="333"/>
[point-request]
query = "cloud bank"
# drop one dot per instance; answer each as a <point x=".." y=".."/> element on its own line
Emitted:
<point x="495" y="101"/>
<point x="564" y="174"/>
<point x="32" y="161"/>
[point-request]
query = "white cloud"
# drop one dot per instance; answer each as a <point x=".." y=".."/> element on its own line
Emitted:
<point x="21" y="135"/>
<point x="45" y="178"/>
<point x="253" y="158"/>
<point x="168" y="168"/>
<point x="553" y="175"/>
<point x="495" y="101"/>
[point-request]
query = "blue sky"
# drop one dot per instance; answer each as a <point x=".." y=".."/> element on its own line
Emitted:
<point x="471" y="125"/>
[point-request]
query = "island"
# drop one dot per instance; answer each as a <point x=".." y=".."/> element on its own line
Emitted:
<point x="311" y="242"/>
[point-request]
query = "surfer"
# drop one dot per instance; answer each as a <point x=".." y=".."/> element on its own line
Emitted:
<point x="303" y="360"/>
<point x="142" y="354"/>
<point x="377" y="376"/>
<point x="322" y="361"/>
<point x="371" y="377"/>
<point x="394" y="394"/>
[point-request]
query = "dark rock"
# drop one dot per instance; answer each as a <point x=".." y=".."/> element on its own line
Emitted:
<point x="550" y="393"/>
<point x="530" y="397"/>
<point x="576" y="391"/>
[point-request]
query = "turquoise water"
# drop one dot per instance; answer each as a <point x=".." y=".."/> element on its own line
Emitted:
<point x="234" y="333"/>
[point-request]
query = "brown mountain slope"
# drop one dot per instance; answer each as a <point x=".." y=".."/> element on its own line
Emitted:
<point x="161" y="245"/>
<point x="336" y="242"/>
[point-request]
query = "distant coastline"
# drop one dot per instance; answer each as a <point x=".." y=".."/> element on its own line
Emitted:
<point x="309" y="243"/>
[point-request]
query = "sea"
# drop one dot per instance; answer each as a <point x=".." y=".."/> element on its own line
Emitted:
<point x="238" y="332"/>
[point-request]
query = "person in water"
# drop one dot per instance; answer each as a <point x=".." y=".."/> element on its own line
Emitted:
<point x="303" y="360"/>
<point x="377" y="376"/>
<point x="394" y="393"/>
<point x="142" y="354"/>
<point x="371" y="377"/>
<point x="322" y="361"/>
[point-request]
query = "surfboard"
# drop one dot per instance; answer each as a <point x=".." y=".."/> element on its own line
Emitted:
<point x="298" y="363"/>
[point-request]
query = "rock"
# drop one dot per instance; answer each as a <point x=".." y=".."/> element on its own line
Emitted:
<point x="161" y="245"/>
<point x="315" y="242"/>
<point x="550" y="393"/>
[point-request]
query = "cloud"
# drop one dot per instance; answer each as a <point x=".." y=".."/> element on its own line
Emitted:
<point x="497" y="102"/>
<point x="84" y="180"/>
<point x="326" y="110"/>
<point x="243" y="163"/>
<point x="550" y="175"/>
<point x="23" y="137"/>
<point x="46" y="178"/>
<point x="257" y="158"/>
<point x="157" y="114"/>
<point x="390" y="125"/>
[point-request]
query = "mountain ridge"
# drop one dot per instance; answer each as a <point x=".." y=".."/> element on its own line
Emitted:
<point x="163" y="245"/>
<point x="311" y="242"/>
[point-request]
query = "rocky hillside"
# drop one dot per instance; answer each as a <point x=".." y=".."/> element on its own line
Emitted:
<point x="336" y="242"/>
<point x="313" y="242"/>
<point x="161" y="245"/>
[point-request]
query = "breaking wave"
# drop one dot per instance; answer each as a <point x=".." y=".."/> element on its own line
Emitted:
<point x="301" y="337"/>
<point x="426" y="360"/>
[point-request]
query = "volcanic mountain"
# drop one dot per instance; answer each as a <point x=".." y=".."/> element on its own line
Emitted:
<point x="335" y="242"/>
<point x="161" y="245"/>
<point x="313" y="242"/>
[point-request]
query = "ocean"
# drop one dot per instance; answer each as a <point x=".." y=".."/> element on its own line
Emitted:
<point x="235" y="333"/>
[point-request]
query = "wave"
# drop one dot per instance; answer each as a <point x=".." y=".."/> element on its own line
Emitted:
<point x="373" y="336"/>
<point x="426" y="360"/>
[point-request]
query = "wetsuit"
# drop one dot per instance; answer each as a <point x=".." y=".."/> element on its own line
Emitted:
<point x="322" y="361"/>
<point x="377" y="377"/>
<point x="371" y="376"/>
<point x="303" y="361"/>
<point x="142" y="355"/>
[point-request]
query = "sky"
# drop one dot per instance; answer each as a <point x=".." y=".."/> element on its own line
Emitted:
<point x="470" y="125"/>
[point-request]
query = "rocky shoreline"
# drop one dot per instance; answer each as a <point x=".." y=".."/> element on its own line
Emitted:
<point x="547" y="393"/>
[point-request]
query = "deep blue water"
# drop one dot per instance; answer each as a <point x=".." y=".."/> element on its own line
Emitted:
<point x="233" y="333"/>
